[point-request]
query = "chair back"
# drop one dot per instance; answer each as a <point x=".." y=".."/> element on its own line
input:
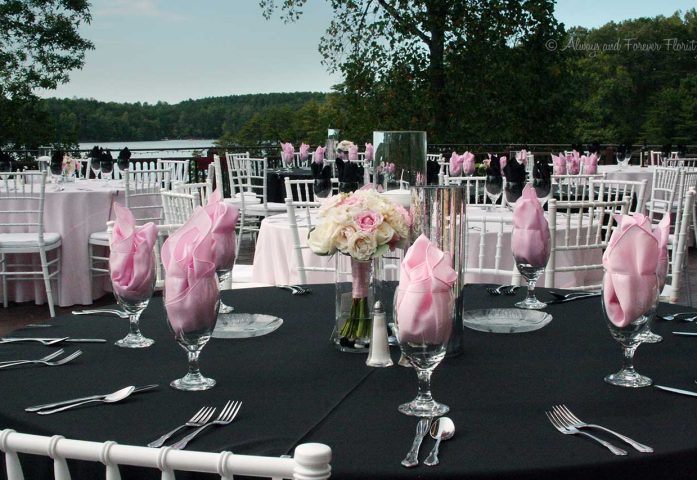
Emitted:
<point x="178" y="207"/>
<point x="310" y="460"/>
<point x="22" y="197"/>
<point x="232" y="160"/>
<point x="677" y="255"/>
<point x="202" y="189"/>
<point x="687" y="163"/>
<point x="475" y="189"/>
<point x="664" y="190"/>
<point x="300" y="193"/>
<point x="300" y="246"/>
<point x="585" y="229"/>
<point x="574" y="188"/>
<point x="250" y="175"/>
<point x="143" y="193"/>
<point x="179" y="169"/>
<point x="488" y="247"/>
<point x="618" y="190"/>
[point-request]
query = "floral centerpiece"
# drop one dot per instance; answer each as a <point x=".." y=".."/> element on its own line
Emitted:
<point x="70" y="165"/>
<point x="363" y="225"/>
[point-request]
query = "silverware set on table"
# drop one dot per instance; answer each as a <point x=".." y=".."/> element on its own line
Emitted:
<point x="113" y="397"/>
<point x="200" y="421"/>
<point x="295" y="289"/>
<point x="48" y="360"/>
<point x="441" y="428"/>
<point x="559" y="297"/>
<point x="569" y="424"/>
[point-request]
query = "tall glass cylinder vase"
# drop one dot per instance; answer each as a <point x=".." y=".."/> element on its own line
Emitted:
<point x="355" y="297"/>
<point x="439" y="213"/>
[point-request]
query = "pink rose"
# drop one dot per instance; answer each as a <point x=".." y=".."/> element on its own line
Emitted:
<point x="368" y="221"/>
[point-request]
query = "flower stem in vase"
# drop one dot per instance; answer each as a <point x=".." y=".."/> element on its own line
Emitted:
<point x="355" y="331"/>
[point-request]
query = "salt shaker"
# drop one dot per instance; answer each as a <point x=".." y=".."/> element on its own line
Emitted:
<point x="379" y="353"/>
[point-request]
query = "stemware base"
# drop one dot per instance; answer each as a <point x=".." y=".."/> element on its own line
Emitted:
<point x="628" y="378"/>
<point x="531" y="304"/>
<point x="134" y="341"/>
<point x="649" y="337"/>
<point x="225" y="309"/>
<point x="192" y="383"/>
<point x="419" y="408"/>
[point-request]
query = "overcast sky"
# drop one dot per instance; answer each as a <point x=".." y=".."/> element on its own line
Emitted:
<point x="173" y="50"/>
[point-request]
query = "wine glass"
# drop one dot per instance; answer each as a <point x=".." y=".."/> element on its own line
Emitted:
<point x="5" y="169"/>
<point x="424" y="352"/>
<point x="629" y="336"/>
<point x="134" y="303"/>
<point x="288" y="162"/>
<point x="95" y="167"/>
<point x="57" y="174"/>
<point x="512" y="192"/>
<point x="543" y="189"/>
<point x="107" y="167"/>
<point x="223" y="276"/>
<point x="192" y="330"/>
<point x="622" y="159"/>
<point x="531" y="273"/>
<point x="493" y="187"/>
<point x="322" y="187"/>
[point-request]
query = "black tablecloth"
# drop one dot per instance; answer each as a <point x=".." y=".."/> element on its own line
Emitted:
<point x="275" y="182"/>
<point x="296" y="388"/>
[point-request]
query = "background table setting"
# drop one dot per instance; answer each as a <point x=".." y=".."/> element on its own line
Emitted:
<point x="301" y="389"/>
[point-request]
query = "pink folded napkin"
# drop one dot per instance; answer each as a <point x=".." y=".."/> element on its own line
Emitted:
<point x="502" y="163"/>
<point x="559" y="164"/>
<point x="223" y="218"/>
<point x="353" y="152"/>
<point x="630" y="283"/>
<point x="590" y="164"/>
<point x="425" y="296"/>
<point x="455" y="166"/>
<point x="530" y="240"/>
<point x="191" y="286"/>
<point x="287" y="152"/>
<point x="304" y="149"/>
<point x="131" y="261"/>
<point x="319" y="156"/>
<point x="467" y="163"/>
<point x="369" y="152"/>
<point x="522" y="157"/>
<point x="573" y="165"/>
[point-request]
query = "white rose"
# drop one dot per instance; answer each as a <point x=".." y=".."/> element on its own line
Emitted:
<point x="341" y="236"/>
<point x="362" y="245"/>
<point x="320" y="240"/>
<point x="384" y="233"/>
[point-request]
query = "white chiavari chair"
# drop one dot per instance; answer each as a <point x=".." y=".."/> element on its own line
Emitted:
<point x="300" y="248"/>
<point x="179" y="206"/>
<point x="475" y="190"/>
<point x="22" y="197"/>
<point x="488" y="248"/>
<point x="300" y="192"/>
<point x="574" y="188"/>
<point x="179" y="169"/>
<point x="613" y="190"/>
<point x="310" y="460"/>
<point x="202" y="189"/>
<point x="664" y="191"/>
<point x="677" y="254"/>
<point x="583" y="228"/>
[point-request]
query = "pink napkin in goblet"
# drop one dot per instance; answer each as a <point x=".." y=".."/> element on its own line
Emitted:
<point x="467" y="159"/>
<point x="369" y="152"/>
<point x="223" y="218"/>
<point x="455" y="166"/>
<point x="502" y="163"/>
<point x="304" y="149"/>
<point x="191" y="286"/>
<point x="573" y="165"/>
<point x="131" y="264"/>
<point x="353" y="152"/>
<point x="425" y="297"/>
<point x="559" y="164"/>
<point x="318" y="157"/>
<point x="287" y="153"/>
<point x="630" y="283"/>
<point x="530" y="240"/>
<point x="522" y="157"/>
<point x="590" y="164"/>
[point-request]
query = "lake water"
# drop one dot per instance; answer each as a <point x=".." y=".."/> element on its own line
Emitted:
<point x="154" y="149"/>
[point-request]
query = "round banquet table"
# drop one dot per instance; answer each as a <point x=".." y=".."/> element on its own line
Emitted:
<point x="81" y="208"/>
<point x="630" y="172"/>
<point x="297" y="388"/>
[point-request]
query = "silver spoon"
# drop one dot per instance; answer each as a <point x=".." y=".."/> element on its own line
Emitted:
<point x="442" y="429"/>
<point x="117" y="396"/>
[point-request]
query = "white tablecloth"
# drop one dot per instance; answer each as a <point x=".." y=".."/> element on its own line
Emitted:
<point x="83" y="207"/>
<point x="630" y="172"/>
<point x="274" y="260"/>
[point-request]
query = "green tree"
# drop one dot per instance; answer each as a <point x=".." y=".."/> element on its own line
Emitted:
<point x="39" y="46"/>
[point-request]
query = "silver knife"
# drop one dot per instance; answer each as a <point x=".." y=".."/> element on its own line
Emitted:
<point x="118" y="313"/>
<point x="573" y="299"/>
<point x="82" y="399"/>
<point x="57" y="340"/>
<point x="677" y="390"/>
<point x="686" y="334"/>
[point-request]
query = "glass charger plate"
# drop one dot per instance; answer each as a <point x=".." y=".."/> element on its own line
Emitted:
<point x="505" y="320"/>
<point x="245" y="325"/>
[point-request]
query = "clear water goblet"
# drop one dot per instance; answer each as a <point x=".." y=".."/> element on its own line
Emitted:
<point x="543" y="189"/>
<point x="95" y="167"/>
<point x="322" y="187"/>
<point x="531" y="273"/>
<point x="512" y="192"/>
<point x="107" y="167"/>
<point x="629" y="337"/>
<point x="192" y="333"/>
<point x="622" y="160"/>
<point x="223" y="277"/>
<point x="57" y="174"/>
<point x="493" y="187"/>
<point x="134" y="305"/>
<point x="424" y="354"/>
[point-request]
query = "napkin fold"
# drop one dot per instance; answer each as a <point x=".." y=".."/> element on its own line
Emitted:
<point x="590" y="164"/>
<point x="455" y="164"/>
<point x="530" y="240"/>
<point x="369" y="152"/>
<point x="191" y="286"/>
<point x="630" y="283"/>
<point x="573" y="165"/>
<point x="131" y="260"/>
<point x="522" y="157"/>
<point x="287" y="153"/>
<point x="559" y="164"/>
<point x="353" y="152"/>
<point x="303" y="150"/>
<point x="425" y="296"/>
<point x="223" y="221"/>
<point x="467" y="164"/>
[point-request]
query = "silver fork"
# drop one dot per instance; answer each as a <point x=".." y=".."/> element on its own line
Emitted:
<point x="573" y="421"/>
<point x="226" y="416"/>
<point x="691" y="316"/>
<point x="47" y="357"/>
<point x="498" y="290"/>
<point x="567" y="430"/>
<point x="42" y="341"/>
<point x="199" y="418"/>
<point x="62" y="361"/>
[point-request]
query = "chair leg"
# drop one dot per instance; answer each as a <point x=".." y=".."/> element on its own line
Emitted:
<point x="5" y="294"/>
<point x="47" y="282"/>
<point x="694" y="226"/>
